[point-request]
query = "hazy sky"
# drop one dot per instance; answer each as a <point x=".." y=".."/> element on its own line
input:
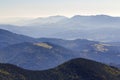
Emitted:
<point x="39" y="8"/>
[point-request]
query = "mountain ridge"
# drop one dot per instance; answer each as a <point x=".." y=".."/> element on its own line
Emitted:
<point x="85" y="27"/>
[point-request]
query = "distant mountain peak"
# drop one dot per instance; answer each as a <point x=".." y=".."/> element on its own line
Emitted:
<point x="57" y="16"/>
<point x="46" y="20"/>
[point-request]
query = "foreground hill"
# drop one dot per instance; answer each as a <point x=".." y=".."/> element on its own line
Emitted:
<point x="76" y="69"/>
<point x="35" y="56"/>
<point x="8" y="38"/>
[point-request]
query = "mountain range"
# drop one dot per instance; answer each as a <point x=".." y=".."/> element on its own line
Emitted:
<point x="97" y="27"/>
<point x="76" y="69"/>
<point x="61" y="48"/>
<point x="45" y="53"/>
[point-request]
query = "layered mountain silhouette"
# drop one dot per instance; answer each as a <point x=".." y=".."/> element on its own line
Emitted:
<point x="44" y="53"/>
<point x="90" y="37"/>
<point x="76" y="69"/>
<point x="97" y="27"/>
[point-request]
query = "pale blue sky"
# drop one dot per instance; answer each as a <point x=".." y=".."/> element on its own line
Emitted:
<point x="42" y="8"/>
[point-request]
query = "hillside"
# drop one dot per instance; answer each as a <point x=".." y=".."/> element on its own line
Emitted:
<point x="8" y="38"/>
<point x="98" y="51"/>
<point x="76" y="69"/>
<point x="35" y="56"/>
<point x="75" y="45"/>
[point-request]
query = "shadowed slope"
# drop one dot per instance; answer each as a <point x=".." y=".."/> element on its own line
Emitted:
<point x="76" y="69"/>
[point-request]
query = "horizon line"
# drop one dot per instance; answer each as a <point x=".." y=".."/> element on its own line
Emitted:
<point x="58" y="15"/>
